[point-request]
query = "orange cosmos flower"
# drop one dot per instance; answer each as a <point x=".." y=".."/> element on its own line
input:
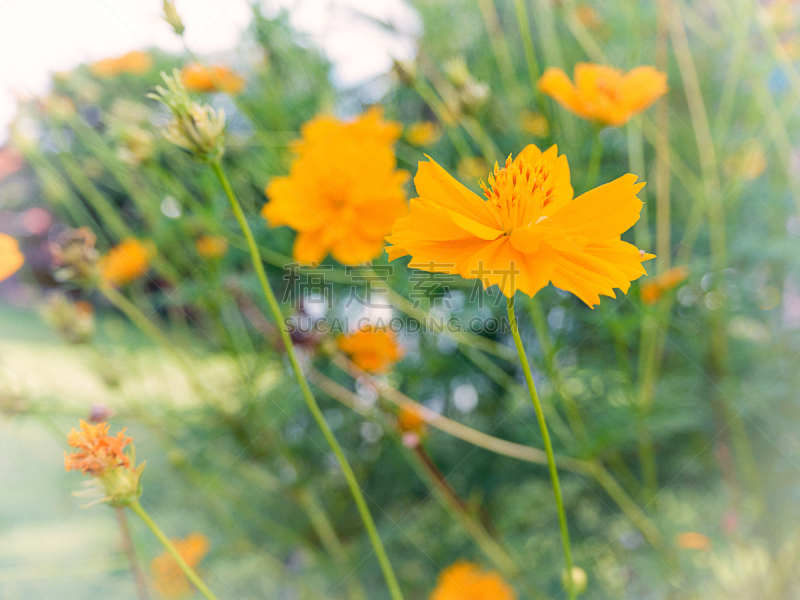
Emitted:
<point x="211" y="246"/>
<point x="97" y="451"/>
<point x="603" y="93"/>
<point x="127" y="261"/>
<point x="529" y="231"/>
<point x="467" y="581"/>
<point x="653" y="289"/>
<point x="692" y="540"/>
<point x="135" y="62"/>
<point x="216" y="78"/>
<point x="343" y="191"/>
<point x="168" y="578"/>
<point x="372" y="349"/>
<point x="11" y="258"/>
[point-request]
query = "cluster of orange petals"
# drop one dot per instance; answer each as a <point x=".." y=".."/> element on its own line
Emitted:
<point x="127" y="261"/>
<point x="136" y="62"/>
<point x="11" y="258"/>
<point x="605" y="94"/>
<point x="168" y="579"/>
<point x="529" y="231"/>
<point x="343" y="191"/>
<point x="372" y="349"/>
<point x="214" y="78"/>
<point x="410" y="420"/>
<point x="654" y="288"/>
<point x="467" y="581"/>
<point x="97" y="451"/>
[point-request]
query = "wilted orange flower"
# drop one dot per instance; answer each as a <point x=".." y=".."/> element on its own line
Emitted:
<point x="424" y="133"/>
<point x="97" y="451"/>
<point x="692" y="540"/>
<point x="11" y="258"/>
<point x="372" y="349"/>
<point x="654" y="288"/>
<point x="128" y="260"/>
<point x="529" y="231"/>
<point x="467" y="581"/>
<point x="168" y="578"/>
<point x="343" y="191"/>
<point x="135" y="62"/>
<point x="215" y="78"/>
<point x="605" y="94"/>
<point x="211" y="246"/>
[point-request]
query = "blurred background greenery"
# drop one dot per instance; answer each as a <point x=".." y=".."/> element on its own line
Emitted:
<point x="673" y="409"/>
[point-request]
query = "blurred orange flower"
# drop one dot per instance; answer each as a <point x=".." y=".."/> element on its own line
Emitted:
<point x="423" y="133"/>
<point x="11" y="258"/>
<point x="654" y="288"/>
<point x="410" y="419"/>
<point x="127" y="261"/>
<point x="467" y="581"/>
<point x="211" y="246"/>
<point x="215" y="78"/>
<point x="372" y="349"/>
<point x="97" y="451"/>
<point x="605" y="94"/>
<point x="168" y="579"/>
<point x="343" y="191"/>
<point x="692" y="540"/>
<point x="529" y="231"/>
<point x="135" y="62"/>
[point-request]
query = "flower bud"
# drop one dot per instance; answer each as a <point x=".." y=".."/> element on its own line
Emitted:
<point x="172" y="17"/>
<point x="75" y="256"/>
<point x="195" y="127"/>
<point x="579" y="579"/>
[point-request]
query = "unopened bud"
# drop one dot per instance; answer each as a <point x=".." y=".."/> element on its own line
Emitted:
<point x="172" y="17"/>
<point x="579" y="579"/>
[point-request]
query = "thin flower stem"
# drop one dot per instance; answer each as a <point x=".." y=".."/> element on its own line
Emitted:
<point x="190" y="573"/>
<point x="347" y="470"/>
<point x="130" y="552"/>
<point x="593" y="171"/>
<point x="530" y="52"/>
<point x="548" y="447"/>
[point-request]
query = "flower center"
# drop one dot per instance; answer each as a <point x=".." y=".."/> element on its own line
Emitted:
<point x="519" y="192"/>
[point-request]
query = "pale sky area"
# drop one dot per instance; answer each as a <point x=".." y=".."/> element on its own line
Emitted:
<point x="38" y="37"/>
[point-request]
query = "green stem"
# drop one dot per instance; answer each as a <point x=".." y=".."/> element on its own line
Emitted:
<point x="548" y="447"/>
<point x="530" y="52"/>
<point x="173" y="552"/>
<point x="594" y="162"/>
<point x="347" y="470"/>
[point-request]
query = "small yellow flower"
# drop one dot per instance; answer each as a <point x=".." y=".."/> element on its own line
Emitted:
<point x="136" y="62"/>
<point x="692" y="540"/>
<point x="588" y="16"/>
<point x="211" y="246"/>
<point x="472" y="167"/>
<point x="215" y="78"/>
<point x="605" y="94"/>
<point x="343" y="191"/>
<point x="424" y="133"/>
<point x="654" y="288"/>
<point x="11" y="258"/>
<point x="528" y="232"/>
<point x="127" y="261"/>
<point x="749" y="162"/>
<point x="168" y="578"/>
<point x="534" y="123"/>
<point x="467" y="581"/>
<point x="372" y="349"/>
